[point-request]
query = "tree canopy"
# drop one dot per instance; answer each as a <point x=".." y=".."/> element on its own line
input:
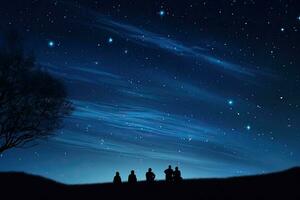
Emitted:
<point x="32" y="102"/>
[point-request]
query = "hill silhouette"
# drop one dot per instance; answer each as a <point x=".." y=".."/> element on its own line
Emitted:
<point x="280" y="185"/>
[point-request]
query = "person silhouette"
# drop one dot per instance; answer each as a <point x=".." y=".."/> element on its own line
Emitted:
<point x="117" y="178"/>
<point x="150" y="176"/>
<point x="177" y="175"/>
<point x="169" y="174"/>
<point x="132" y="177"/>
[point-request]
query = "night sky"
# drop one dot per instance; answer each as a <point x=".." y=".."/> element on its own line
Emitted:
<point x="210" y="86"/>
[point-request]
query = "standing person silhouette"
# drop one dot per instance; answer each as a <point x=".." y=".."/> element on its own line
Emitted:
<point x="150" y="176"/>
<point x="132" y="178"/>
<point x="177" y="175"/>
<point x="117" y="179"/>
<point x="169" y="174"/>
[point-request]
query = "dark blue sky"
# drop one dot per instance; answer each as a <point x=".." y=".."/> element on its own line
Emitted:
<point x="210" y="86"/>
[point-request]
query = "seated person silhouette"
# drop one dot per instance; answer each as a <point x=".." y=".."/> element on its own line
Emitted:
<point x="177" y="175"/>
<point x="169" y="174"/>
<point x="117" y="178"/>
<point x="150" y="176"/>
<point x="132" y="178"/>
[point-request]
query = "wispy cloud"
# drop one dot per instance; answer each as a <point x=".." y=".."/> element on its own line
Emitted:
<point x="155" y="40"/>
<point x="97" y="77"/>
<point x="87" y="74"/>
<point x="150" y="39"/>
<point x="133" y="127"/>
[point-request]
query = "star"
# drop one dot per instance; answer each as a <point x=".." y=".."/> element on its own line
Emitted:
<point x="230" y="102"/>
<point x="110" y="40"/>
<point x="248" y="127"/>
<point x="298" y="17"/>
<point x="161" y="13"/>
<point x="282" y="29"/>
<point x="51" y="43"/>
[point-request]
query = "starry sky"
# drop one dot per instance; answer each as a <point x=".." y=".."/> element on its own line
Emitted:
<point x="210" y="86"/>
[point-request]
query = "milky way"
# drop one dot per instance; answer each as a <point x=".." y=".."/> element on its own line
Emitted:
<point x="209" y="86"/>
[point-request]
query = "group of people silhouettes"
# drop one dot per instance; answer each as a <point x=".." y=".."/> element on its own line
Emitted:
<point x="172" y="176"/>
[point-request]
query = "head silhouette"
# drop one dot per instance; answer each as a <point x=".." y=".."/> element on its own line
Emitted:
<point x="170" y="166"/>
<point x="149" y="170"/>
<point x="132" y="171"/>
<point x="176" y="168"/>
<point x="117" y="174"/>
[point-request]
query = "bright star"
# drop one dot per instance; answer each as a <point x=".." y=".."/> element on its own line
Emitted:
<point x="110" y="40"/>
<point x="282" y="29"/>
<point x="298" y="17"/>
<point x="230" y="102"/>
<point x="161" y="13"/>
<point x="248" y="127"/>
<point x="51" y="44"/>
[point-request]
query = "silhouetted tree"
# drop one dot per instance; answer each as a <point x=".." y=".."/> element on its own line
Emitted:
<point x="32" y="102"/>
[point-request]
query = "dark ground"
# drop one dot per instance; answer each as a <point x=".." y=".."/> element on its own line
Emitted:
<point x="282" y="185"/>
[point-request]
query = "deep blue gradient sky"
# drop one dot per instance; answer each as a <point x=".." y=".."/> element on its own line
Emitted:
<point x="210" y="86"/>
